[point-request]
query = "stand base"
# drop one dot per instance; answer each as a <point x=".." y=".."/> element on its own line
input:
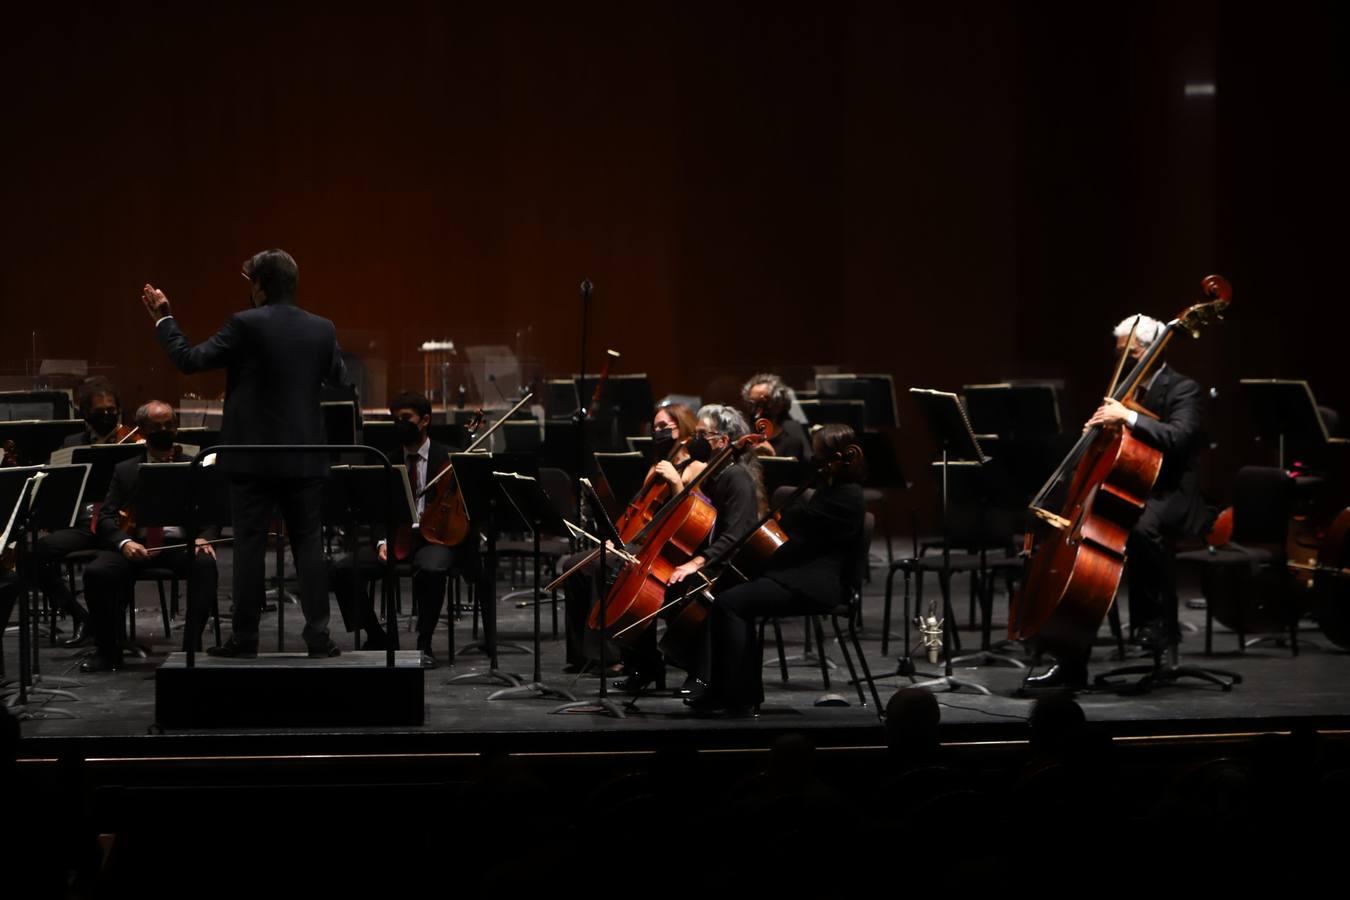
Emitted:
<point x="801" y="660"/>
<point x="1160" y="675"/>
<point x="599" y="705"/>
<point x="353" y="689"/>
<point x="510" y="679"/>
<point x="988" y="658"/>
<point x="948" y="683"/>
<point x="481" y="647"/>
<point x="25" y="711"/>
<point x="533" y="689"/>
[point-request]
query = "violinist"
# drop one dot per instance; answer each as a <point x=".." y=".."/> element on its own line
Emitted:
<point x="673" y="427"/>
<point x="431" y="563"/>
<point x="109" y="578"/>
<point x="101" y="410"/>
<point x="768" y="397"/>
<point x="1171" y="421"/>
<point x="810" y="574"/>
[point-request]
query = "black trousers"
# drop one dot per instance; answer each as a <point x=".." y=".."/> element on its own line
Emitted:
<point x="299" y="499"/>
<point x="110" y="577"/>
<point x="737" y="659"/>
<point x="1150" y="569"/>
<point x="48" y="557"/>
<point x="431" y="563"/>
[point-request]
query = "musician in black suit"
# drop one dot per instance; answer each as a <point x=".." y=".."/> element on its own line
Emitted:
<point x="1174" y="508"/>
<point x="810" y="574"/>
<point x="111" y="573"/>
<point x="101" y="409"/>
<point x="769" y="397"/>
<point x="277" y="357"/>
<point x="431" y="563"/>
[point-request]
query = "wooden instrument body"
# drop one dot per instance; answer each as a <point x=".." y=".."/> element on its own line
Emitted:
<point x="1074" y="569"/>
<point x="445" y="518"/>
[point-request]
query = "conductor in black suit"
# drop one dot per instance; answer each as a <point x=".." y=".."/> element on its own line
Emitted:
<point x="1174" y="425"/>
<point x="277" y="357"/>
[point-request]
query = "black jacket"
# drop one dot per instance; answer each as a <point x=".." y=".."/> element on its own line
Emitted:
<point x="791" y="440"/>
<point x="1179" y="433"/>
<point x="122" y="494"/>
<point x="276" y="357"/>
<point x="822" y="553"/>
<point x="735" y="496"/>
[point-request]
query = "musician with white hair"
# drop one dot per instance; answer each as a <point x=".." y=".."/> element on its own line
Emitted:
<point x="1172" y="422"/>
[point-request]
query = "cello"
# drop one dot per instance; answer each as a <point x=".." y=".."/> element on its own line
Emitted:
<point x="1075" y="558"/>
<point x="445" y="518"/>
<point x="668" y="541"/>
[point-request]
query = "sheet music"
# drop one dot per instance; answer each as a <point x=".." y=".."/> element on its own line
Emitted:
<point x="29" y="490"/>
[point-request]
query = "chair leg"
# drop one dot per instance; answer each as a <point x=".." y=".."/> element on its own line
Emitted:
<point x="848" y="657"/>
<point x="553" y="603"/>
<point x="1209" y="628"/>
<point x="820" y="649"/>
<point x="164" y="607"/>
<point x="782" y="657"/>
<point x="215" y="616"/>
<point x="886" y="609"/>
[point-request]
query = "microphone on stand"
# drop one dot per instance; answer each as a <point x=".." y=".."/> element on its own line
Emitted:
<point x="586" y="288"/>
<point x="461" y="397"/>
<point x="930" y="632"/>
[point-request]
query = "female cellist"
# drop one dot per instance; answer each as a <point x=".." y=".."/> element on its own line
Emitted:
<point x="672" y="428"/>
<point x="808" y="575"/>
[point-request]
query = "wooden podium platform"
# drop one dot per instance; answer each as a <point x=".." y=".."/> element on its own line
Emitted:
<point x="278" y="690"/>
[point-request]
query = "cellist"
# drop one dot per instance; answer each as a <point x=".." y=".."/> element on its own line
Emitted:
<point x="1171" y="420"/>
<point x="431" y="563"/>
<point x="673" y="427"/>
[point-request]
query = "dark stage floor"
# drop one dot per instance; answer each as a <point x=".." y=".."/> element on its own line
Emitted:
<point x="114" y="714"/>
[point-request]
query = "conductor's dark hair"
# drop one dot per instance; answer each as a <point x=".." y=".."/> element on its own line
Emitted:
<point x="275" y="272"/>
<point x="94" y="386"/>
<point x="411" y="400"/>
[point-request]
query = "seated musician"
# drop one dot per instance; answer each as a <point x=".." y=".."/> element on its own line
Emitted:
<point x="431" y="563"/>
<point x="672" y="428"/>
<point x="1174" y="509"/>
<point x="109" y="578"/>
<point x="810" y="574"/>
<point x="102" y="413"/>
<point x="768" y="397"/>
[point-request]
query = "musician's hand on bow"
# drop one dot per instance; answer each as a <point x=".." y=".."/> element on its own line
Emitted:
<point x="666" y="469"/>
<point x="1112" y="413"/>
<point x="204" y="547"/>
<point x="135" y="552"/>
<point x="156" y="304"/>
<point x="382" y="551"/>
<point x="684" y="571"/>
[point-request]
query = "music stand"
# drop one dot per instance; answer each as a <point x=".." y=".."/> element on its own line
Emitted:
<point x="44" y="405"/>
<point x="780" y="471"/>
<point x="877" y="391"/>
<point x="55" y="507"/>
<point x="536" y="509"/>
<point x="624" y="472"/>
<point x="489" y="513"/>
<point x="19" y="488"/>
<point x="950" y="428"/>
<point x="1285" y="409"/>
<point x="35" y="441"/>
<point x="834" y="410"/>
<point x="103" y="458"/>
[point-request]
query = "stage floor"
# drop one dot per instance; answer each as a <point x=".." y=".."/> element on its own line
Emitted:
<point x="114" y="714"/>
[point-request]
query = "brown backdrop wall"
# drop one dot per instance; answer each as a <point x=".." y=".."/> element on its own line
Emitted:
<point x="952" y="194"/>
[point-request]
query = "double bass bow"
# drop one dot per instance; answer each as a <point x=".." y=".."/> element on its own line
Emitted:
<point x="445" y="518"/>
<point x="1075" y="557"/>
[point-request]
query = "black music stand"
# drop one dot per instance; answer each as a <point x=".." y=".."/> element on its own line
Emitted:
<point x="490" y="514"/>
<point x="366" y="494"/>
<point x="57" y="506"/>
<point x="602" y="703"/>
<point x="537" y="510"/>
<point x="1285" y="410"/>
<point x="103" y="458"/>
<point x="44" y="405"/>
<point x="950" y="429"/>
<point x="624" y="472"/>
<point x="34" y="441"/>
<point x="19" y="489"/>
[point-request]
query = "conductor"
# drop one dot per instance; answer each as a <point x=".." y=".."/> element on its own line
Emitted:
<point x="277" y="356"/>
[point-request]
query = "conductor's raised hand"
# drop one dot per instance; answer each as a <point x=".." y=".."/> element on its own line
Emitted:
<point x="156" y="304"/>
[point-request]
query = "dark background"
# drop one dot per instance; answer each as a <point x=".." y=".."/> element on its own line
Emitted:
<point x="951" y="192"/>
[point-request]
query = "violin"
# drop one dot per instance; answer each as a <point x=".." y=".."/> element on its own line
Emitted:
<point x="1075" y="558"/>
<point x="668" y="541"/>
<point x="445" y="518"/>
<point x="654" y="494"/>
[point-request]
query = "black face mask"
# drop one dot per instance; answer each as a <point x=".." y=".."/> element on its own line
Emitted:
<point x="161" y="441"/>
<point x="409" y="434"/>
<point x="700" y="450"/>
<point x="662" y="438"/>
<point x="102" y="421"/>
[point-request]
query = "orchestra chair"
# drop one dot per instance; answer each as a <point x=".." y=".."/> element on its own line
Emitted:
<point x="1246" y="581"/>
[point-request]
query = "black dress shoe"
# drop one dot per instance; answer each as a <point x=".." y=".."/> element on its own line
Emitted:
<point x="82" y="636"/>
<point x="692" y="688"/>
<point x="234" y="650"/>
<point x="325" y="650"/>
<point x="428" y="658"/>
<point x="638" y="680"/>
<point x="1059" y="677"/>
<point x="708" y="701"/>
<point x="376" y="643"/>
<point x="100" y="663"/>
<point x="1155" y="637"/>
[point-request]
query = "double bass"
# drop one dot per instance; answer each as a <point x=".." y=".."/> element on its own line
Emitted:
<point x="1075" y="557"/>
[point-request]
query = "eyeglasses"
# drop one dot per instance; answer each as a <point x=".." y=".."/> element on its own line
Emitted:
<point x="708" y="434"/>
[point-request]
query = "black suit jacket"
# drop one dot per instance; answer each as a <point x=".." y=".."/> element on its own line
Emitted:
<point x="276" y="357"/>
<point x="122" y="493"/>
<point x="1179" y="433"/>
<point x="438" y="455"/>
